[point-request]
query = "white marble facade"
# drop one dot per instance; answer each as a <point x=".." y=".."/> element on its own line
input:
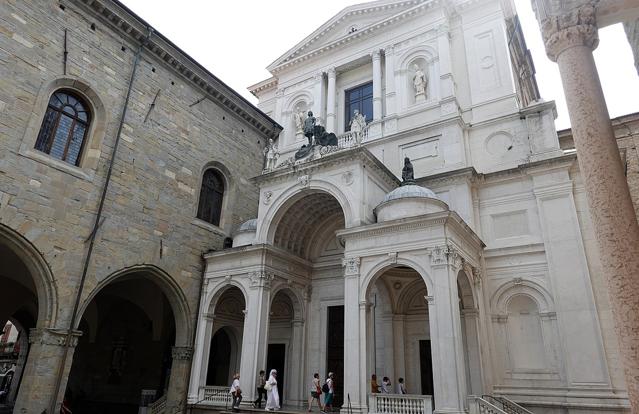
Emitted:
<point x="495" y="267"/>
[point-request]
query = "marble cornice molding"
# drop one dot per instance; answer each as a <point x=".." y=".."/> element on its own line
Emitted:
<point x="567" y="24"/>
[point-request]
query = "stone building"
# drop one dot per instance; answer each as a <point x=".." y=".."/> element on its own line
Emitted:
<point x="177" y="189"/>
<point x="479" y="276"/>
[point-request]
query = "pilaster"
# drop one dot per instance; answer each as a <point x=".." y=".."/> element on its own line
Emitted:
<point x="377" y="85"/>
<point x="352" y="334"/>
<point x="330" y="101"/>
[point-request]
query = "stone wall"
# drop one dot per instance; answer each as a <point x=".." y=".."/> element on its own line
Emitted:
<point x="151" y="203"/>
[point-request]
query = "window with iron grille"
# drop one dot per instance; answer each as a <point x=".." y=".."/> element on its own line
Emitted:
<point x="360" y="98"/>
<point x="64" y="127"/>
<point x="211" y="195"/>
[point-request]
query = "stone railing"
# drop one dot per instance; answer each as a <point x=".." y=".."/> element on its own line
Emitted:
<point x="478" y="405"/>
<point x="400" y="404"/>
<point x="215" y="395"/>
<point x="506" y="405"/>
<point x="352" y="139"/>
<point x="158" y="407"/>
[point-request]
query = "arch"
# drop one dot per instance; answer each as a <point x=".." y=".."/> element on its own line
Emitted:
<point x="538" y="293"/>
<point x="281" y="204"/>
<point x="383" y="265"/>
<point x="212" y="298"/>
<point x="166" y="283"/>
<point x="294" y="296"/>
<point x="425" y="52"/>
<point x="465" y="290"/>
<point x="40" y="272"/>
<point x="302" y="96"/>
<point x="90" y="154"/>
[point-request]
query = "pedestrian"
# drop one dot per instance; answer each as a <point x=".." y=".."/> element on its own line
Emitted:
<point x="374" y="386"/>
<point x="386" y="385"/>
<point x="401" y="387"/>
<point x="328" y="395"/>
<point x="272" y="396"/>
<point x="261" y="381"/>
<point x="316" y="393"/>
<point x="236" y="392"/>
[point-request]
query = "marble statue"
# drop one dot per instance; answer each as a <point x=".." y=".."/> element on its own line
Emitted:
<point x="420" y="82"/>
<point x="271" y="154"/>
<point x="309" y="127"/>
<point x="357" y="125"/>
<point x="299" y="122"/>
<point x="408" y="176"/>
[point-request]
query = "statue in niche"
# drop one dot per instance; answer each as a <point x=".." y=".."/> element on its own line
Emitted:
<point x="420" y="83"/>
<point x="408" y="175"/>
<point x="357" y="125"/>
<point x="309" y="127"/>
<point x="271" y="154"/>
<point x="299" y="117"/>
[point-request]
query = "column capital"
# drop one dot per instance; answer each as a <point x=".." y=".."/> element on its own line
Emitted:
<point x="331" y="72"/>
<point x="376" y="54"/>
<point x="566" y="24"/>
<point x="261" y="279"/>
<point x="55" y="337"/>
<point x="318" y="76"/>
<point x="446" y="254"/>
<point x="351" y="266"/>
<point x="181" y="353"/>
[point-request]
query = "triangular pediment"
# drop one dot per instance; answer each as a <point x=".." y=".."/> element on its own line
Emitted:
<point x="350" y="23"/>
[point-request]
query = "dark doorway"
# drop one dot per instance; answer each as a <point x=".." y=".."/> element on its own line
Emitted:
<point x="426" y="367"/>
<point x="335" y="351"/>
<point x="275" y="360"/>
<point x="219" y="361"/>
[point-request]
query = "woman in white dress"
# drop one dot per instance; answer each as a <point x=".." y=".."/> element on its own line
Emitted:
<point x="272" y="396"/>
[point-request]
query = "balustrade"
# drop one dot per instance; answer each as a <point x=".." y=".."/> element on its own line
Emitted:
<point x="215" y="395"/>
<point x="399" y="404"/>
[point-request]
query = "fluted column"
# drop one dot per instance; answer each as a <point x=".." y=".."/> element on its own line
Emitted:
<point x="570" y="37"/>
<point x="330" y="101"/>
<point x="377" y="85"/>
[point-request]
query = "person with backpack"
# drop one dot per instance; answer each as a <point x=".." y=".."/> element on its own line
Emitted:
<point x="329" y="392"/>
<point x="316" y="393"/>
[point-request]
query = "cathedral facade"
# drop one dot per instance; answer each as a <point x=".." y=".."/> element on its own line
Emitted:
<point x="476" y="273"/>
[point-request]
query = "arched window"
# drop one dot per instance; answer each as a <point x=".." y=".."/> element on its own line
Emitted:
<point x="211" y="194"/>
<point x="64" y="128"/>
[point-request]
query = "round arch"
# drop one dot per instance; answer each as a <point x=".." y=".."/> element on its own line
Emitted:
<point x="281" y="204"/>
<point x="378" y="269"/>
<point x="212" y="298"/>
<point x="535" y="291"/>
<point x="293" y="295"/>
<point x="168" y="285"/>
<point x="228" y="198"/>
<point x="40" y="273"/>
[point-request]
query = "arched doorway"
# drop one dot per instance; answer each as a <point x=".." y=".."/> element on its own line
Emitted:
<point x="25" y="275"/>
<point x="125" y="352"/>
<point x="226" y="342"/>
<point x="398" y="331"/>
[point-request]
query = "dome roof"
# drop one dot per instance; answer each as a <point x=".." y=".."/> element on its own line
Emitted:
<point x="248" y="225"/>
<point x="410" y="191"/>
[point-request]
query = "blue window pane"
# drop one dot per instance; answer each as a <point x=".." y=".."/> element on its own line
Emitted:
<point x="69" y="110"/>
<point x="360" y="98"/>
<point x="367" y="108"/>
<point x="75" y="145"/>
<point x="367" y="89"/>
<point x="61" y="136"/>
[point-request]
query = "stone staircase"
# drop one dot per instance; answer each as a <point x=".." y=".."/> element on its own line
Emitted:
<point x="494" y="404"/>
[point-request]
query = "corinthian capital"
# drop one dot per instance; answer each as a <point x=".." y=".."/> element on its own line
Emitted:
<point x="565" y="24"/>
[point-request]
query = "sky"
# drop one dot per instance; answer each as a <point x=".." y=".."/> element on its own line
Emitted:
<point x="237" y="39"/>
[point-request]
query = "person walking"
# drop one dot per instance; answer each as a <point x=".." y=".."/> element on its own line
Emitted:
<point x="386" y="385"/>
<point x="328" y="394"/>
<point x="316" y="393"/>
<point x="401" y="387"/>
<point x="261" y="381"/>
<point x="236" y="392"/>
<point x="272" y="396"/>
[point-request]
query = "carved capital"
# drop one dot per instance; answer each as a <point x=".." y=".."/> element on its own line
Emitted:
<point x="477" y="276"/>
<point x="351" y="266"/>
<point x="318" y="76"/>
<point x="181" y="353"/>
<point x="331" y="72"/>
<point x="376" y="54"/>
<point x="446" y="255"/>
<point x="261" y="279"/>
<point x="54" y="337"/>
<point x="566" y="24"/>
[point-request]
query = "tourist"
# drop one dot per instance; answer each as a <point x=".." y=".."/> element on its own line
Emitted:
<point x="374" y="386"/>
<point x="328" y="396"/>
<point x="236" y="392"/>
<point x="401" y="387"/>
<point x="386" y="385"/>
<point x="261" y="380"/>
<point x="272" y="396"/>
<point x="316" y="393"/>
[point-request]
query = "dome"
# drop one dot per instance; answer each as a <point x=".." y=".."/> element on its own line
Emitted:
<point x="409" y="200"/>
<point x="248" y="225"/>
<point x="410" y="191"/>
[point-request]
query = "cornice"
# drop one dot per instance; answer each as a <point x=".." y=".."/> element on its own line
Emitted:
<point x="121" y="19"/>
<point x="264" y="85"/>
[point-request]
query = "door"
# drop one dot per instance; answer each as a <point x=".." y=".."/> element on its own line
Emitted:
<point x="276" y="356"/>
<point x="426" y="367"/>
<point x="335" y="352"/>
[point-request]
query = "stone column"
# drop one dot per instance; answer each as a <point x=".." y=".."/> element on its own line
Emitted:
<point x="297" y="382"/>
<point x="330" y="102"/>
<point x="352" y="334"/>
<point x="201" y="355"/>
<point x="570" y="37"/>
<point x="179" y="381"/>
<point x="43" y="362"/>
<point x="390" y="123"/>
<point x="377" y="85"/>
<point x="445" y="332"/>
<point x="318" y="97"/>
<point x="255" y="335"/>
